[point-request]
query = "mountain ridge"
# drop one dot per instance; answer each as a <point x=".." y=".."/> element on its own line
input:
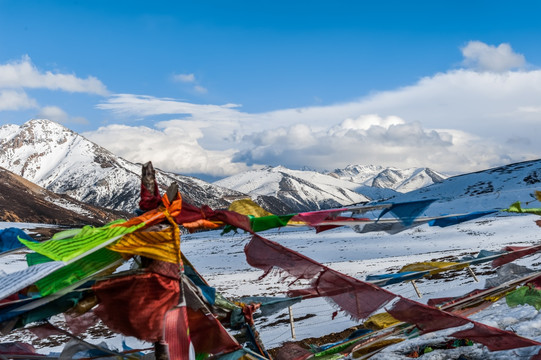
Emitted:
<point x="60" y="160"/>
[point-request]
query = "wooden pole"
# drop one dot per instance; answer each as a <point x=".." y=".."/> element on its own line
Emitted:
<point x="291" y="323"/>
<point x="416" y="289"/>
<point x="470" y="271"/>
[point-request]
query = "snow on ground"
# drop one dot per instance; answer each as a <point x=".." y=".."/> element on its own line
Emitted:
<point x="221" y="261"/>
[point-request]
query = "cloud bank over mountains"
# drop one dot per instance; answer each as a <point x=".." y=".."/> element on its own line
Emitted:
<point x="483" y="114"/>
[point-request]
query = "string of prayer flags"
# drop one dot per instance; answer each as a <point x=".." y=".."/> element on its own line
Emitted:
<point x="358" y="299"/>
<point x="265" y="254"/>
<point x="190" y="214"/>
<point x="429" y="319"/>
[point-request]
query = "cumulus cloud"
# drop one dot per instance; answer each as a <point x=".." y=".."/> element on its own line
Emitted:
<point x="456" y="121"/>
<point x="16" y="100"/>
<point x="24" y="74"/>
<point x="172" y="146"/>
<point x="485" y="57"/>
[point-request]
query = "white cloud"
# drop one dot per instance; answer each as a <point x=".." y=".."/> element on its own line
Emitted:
<point x="172" y="146"/>
<point x="200" y="89"/>
<point x="23" y="74"/>
<point x="53" y="113"/>
<point x="16" y="100"/>
<point x="139" y="105"/>
<point x="458" y="121"/>
<point x="485" y="57"/>
<point x="184" y="78"/>
<point x="190" y="79"/>
<point x="58" y="115"/>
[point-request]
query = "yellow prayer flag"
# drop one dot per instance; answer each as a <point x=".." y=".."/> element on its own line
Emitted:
<point x="248" y="207"/>
<point x="161" y="245"/>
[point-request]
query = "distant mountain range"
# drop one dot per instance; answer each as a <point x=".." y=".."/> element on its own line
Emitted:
<point x="401" y="180"/>
<point x="64" y="162"/>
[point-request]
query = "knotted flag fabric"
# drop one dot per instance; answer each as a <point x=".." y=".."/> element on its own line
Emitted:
<point x="136" y="305"/>
<point x="191" y="213"/>
<point x="171" y="207"/>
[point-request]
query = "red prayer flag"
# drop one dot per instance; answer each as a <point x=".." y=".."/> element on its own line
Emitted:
<point x="359" y="299"/>
<point x="177" y="334"/>
<point x="136" y="305"/>
<point x="208" y="335"/>
<point x="516" y="253"/>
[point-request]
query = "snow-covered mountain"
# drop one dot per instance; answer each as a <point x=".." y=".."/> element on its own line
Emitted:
<point x="401" y="180"/>
<point x="60" y="160"/>
<point x="483" y="190"/>
<point x="299" y="190"/>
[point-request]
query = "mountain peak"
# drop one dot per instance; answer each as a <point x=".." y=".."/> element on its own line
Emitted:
<point x="60" y="160"/>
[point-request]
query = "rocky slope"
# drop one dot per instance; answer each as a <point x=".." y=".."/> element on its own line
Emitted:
<point x="23" y="201"/>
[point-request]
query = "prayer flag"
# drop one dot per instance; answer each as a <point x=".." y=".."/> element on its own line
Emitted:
<point x="161" y="245"/>
<point x="87" y="239"/>
<point x="136" y="305"/>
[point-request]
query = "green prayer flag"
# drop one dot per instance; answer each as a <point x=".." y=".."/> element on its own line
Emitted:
<point x="515" y="207"/>
<point x="269" y="222"/>
<point x="524" y="295"/>
<point x="66" y="249"/>
<point x="77" y="271"/>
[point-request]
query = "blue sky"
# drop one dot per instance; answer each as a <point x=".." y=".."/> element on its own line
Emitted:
<point x="216" y="87"/>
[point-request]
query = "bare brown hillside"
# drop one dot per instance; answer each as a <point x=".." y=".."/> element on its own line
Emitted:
<point x="23" y="201"/>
